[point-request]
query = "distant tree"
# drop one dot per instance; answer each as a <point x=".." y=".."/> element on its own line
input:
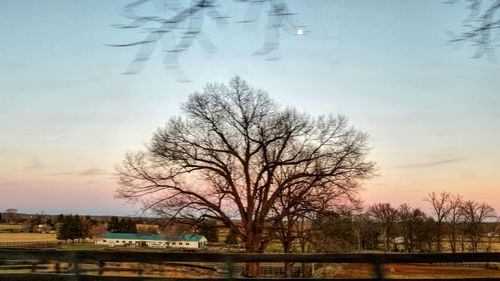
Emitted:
<point x="86" y="225"/>
<point x="441" y="208"/>
<point x="113" y="224"/>
<point x="368" y="231"/>
<point x="147" y="228"/>
<point x="425" y="235"/>
<point x="385" y="216"/>
<point x="50" y="222"/>
<point x="71" y="228"/>
<point x="128" y="225"/>
<point x="97" y="230"/>
<point x="35" y="222"/>
<point x="123" y="225"/>
<point x="231" y="238"/>
<point x="209" y="229"/>
<point x="178" y="227"/>
<point x="60" y="218"/>
<point x="65" y="227"/>
<point x="454" y="220"/>
<point x="334" y="232"/>
<point x="475" y="215"/>
<point x="409" y="219"/>
<point x="492" y="232"/>
<point x="11" y="215"/>
<point x="76" y="228"/>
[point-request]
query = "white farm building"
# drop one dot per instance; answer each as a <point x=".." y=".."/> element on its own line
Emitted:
<point x="151" y="241"/>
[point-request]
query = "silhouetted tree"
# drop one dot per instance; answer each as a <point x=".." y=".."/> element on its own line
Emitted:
<point x="11" y="215"/>
<point x="409" y="219"/>
<point x="334" y="232"/>
<point x="123" y="225"/>
<point x="386" y="217"/>
<point x="113" y="224"/>
<point x="441" y="208"/>
<point x="475" y="214"/>
<point x="235" y="150"/>
<point x="454" y="220"/>
<point x="209" y="229"/>
<point x="69" y="228"/>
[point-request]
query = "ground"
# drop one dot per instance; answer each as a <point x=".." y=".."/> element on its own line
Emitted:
<point x="406" y="271"/>
<point x="26" y="237"/>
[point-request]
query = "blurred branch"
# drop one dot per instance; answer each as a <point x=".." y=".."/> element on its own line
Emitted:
<point x="481" y="26"/>
<point x="185" y="23"/>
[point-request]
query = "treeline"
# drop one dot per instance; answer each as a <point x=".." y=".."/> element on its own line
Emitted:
<point x="123" y="225"/>
<point x="73" y="228"/>
<point x="453" y="225"/>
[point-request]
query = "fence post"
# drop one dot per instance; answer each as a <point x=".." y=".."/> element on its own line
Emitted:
<point x="76" y="266"/>
<point x="230" y="268"/>
<point x="101" y="267"/>
<point x="379" y="267"/>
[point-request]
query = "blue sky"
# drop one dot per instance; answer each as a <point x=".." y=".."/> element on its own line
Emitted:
<point x="68" y="116"/>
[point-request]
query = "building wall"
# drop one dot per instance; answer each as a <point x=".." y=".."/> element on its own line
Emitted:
<point x="151" y="243"/>
<point x="184" y="244"/>
<point x="131" y="242"/>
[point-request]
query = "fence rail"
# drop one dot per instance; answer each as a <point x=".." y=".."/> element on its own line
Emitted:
<point x="35" y="264"/>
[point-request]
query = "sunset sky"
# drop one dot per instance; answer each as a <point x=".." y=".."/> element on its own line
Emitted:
<point x="68" y="115"/>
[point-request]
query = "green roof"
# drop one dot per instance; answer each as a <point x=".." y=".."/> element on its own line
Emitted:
<point x="133" y="236"/>
<point x="189" y="237"/>
<point x="138" y="236"/>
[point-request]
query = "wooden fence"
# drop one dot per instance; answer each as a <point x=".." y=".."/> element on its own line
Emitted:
<point x="62" y="265"/>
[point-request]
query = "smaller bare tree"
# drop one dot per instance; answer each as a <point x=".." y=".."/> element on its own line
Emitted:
<point x="475" y="215"/>
<point x="440" y="208"/>
<point x="385" y="215"/>
<point x="454" y="220"/>
<point x="409" y="218"/>
<point x="11" y="215"/>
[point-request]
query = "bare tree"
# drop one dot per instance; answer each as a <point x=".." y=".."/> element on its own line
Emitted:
<point x="410" y="219"/>
<point x="475" y="214"/>
<point x="454" y="220"/>
<point x="440" y="208"/>
<point x="385" y="215"/>
<point x="234" y="153"/>
<point x="11" y="215"/>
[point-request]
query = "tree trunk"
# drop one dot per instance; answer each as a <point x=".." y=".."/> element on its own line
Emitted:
<point x="287" y="245"/>
<point x="252" y="246"/>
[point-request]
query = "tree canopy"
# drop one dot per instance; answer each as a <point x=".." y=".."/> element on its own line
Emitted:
<point x="234" y="152"/>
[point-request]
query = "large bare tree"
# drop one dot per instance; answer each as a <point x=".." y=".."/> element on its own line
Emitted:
<point x="234" y="154"/>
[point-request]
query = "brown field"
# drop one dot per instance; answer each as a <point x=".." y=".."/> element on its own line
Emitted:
<point x="26" y="237"/>
<point x="406" y="271"/>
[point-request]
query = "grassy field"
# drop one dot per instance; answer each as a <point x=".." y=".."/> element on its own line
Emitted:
<point x="6" y="227"/>
<point x="26" y="237"/>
